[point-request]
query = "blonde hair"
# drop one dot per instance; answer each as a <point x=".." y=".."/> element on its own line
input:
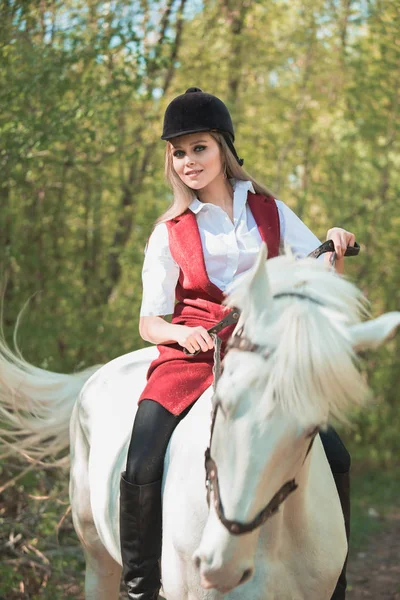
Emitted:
<point x="184" y="195"/>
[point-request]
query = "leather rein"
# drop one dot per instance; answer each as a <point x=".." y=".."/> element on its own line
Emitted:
<point x="241" y="343"/>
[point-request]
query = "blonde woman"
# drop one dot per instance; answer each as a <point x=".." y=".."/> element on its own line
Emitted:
<point x="209" y="236"/>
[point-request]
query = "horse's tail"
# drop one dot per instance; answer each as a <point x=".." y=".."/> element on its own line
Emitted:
<point x="35" y="409"/>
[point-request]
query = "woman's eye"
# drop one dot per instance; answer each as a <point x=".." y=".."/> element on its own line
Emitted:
<point x="199" y="148"/>
<point x="178" y="153"/>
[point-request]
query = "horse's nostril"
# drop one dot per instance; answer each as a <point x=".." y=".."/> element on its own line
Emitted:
<point x="197" y="562"/>
<point x="246" y="576"/>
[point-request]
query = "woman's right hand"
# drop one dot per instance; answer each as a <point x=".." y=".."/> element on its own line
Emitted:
<point x="194" y="338"/>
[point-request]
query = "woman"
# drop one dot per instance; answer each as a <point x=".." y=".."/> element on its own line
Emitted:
<point x="209" y="236"/>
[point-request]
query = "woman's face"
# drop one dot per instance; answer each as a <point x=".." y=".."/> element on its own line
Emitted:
<point x="196" y="159"/>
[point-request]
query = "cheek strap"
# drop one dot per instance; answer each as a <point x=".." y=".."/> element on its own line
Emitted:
<point x="236" y="527"/>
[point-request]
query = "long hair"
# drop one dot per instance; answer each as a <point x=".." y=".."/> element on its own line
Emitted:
<point x="183" y="195"/>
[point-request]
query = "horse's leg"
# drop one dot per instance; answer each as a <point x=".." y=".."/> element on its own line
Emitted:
<point x="103" y="574"/>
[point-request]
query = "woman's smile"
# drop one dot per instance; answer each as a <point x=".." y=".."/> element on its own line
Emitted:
<point x="193" y="173"/>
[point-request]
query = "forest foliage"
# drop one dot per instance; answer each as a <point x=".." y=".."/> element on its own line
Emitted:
<point x="313" y="87"/>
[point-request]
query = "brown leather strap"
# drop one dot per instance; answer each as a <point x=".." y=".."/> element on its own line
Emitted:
<point x="236" y="527"/>
<point x="329" y="246"/>
<point x="230" y="319"/>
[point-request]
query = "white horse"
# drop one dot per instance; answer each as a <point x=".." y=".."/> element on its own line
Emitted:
<point x="292" y="368"/>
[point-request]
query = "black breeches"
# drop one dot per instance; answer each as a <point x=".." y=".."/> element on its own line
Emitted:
<point x="336" y="453"/>
<point x="151" y="433"/>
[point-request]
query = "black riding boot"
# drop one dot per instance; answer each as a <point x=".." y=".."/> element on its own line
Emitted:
<point x="140" y="531"/>
<point x="342" y="481"/>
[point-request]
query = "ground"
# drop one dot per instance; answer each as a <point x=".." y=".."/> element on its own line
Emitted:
<point x="40" y="558"/>
<point x="374" y="571"/>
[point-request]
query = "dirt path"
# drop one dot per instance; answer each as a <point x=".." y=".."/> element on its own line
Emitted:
<point x="374" y="573"/>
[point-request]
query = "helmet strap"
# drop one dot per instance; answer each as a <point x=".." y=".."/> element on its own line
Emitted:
<point x="232" y="148"/>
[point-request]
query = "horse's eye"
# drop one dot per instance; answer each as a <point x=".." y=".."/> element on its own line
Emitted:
<point x="312" y="431"/>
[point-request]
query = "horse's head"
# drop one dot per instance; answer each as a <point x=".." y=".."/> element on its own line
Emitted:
<point x="290" y="367"/>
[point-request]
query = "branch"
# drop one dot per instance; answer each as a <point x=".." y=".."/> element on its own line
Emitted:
<point x="296" y="116"/>
<point x="175" y="47"/>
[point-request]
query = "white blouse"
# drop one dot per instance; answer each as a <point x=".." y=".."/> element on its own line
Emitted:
<point x="229" y="248"/>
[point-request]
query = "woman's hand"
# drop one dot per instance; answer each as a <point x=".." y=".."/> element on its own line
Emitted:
<point x="341" y="238"/>
<point x="194" y="338"/>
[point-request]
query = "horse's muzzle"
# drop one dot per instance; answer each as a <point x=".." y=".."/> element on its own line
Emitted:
<point x="221" y="577"/>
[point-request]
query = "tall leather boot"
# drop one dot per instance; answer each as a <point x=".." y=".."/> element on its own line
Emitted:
<point x="140" y="531"/>
<point x="342" y="481"/>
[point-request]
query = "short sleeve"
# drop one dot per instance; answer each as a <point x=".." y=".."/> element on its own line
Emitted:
<point x="160" y="275"/>
<point x="294" y="233"/>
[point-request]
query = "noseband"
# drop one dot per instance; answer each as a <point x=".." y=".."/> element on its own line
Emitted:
<point x="239" y="342"/>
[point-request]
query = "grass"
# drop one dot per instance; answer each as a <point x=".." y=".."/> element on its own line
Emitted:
<point x="373" y="491"/>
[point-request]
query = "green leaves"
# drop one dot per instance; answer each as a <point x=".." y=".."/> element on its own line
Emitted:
<point x="313" y="89"/>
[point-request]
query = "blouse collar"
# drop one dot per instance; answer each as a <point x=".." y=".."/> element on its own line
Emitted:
<point x="240" y="190"/>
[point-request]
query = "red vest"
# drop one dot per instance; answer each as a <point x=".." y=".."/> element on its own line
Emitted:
<point x="174" y="379"/>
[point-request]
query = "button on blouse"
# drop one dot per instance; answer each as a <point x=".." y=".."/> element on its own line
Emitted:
<point x="229" y="248"/>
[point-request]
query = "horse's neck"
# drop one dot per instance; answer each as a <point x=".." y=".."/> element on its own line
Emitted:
<point x="298" y="518"/>
<point x="292" y="517"/>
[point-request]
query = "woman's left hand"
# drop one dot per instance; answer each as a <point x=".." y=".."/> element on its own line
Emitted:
<point x="341" y="238"/>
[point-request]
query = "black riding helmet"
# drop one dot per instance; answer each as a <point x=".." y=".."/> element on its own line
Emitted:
<point x="197" y="111"/>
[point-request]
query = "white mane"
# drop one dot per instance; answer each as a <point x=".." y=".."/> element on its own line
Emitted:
<point x="311" y="372"/>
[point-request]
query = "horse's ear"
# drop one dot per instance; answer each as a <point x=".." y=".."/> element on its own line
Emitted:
<point x="260" y="289"/>
<point x="371" y="334"/>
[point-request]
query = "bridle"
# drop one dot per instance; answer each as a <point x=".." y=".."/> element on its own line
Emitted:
<point x="241" y="343"/>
